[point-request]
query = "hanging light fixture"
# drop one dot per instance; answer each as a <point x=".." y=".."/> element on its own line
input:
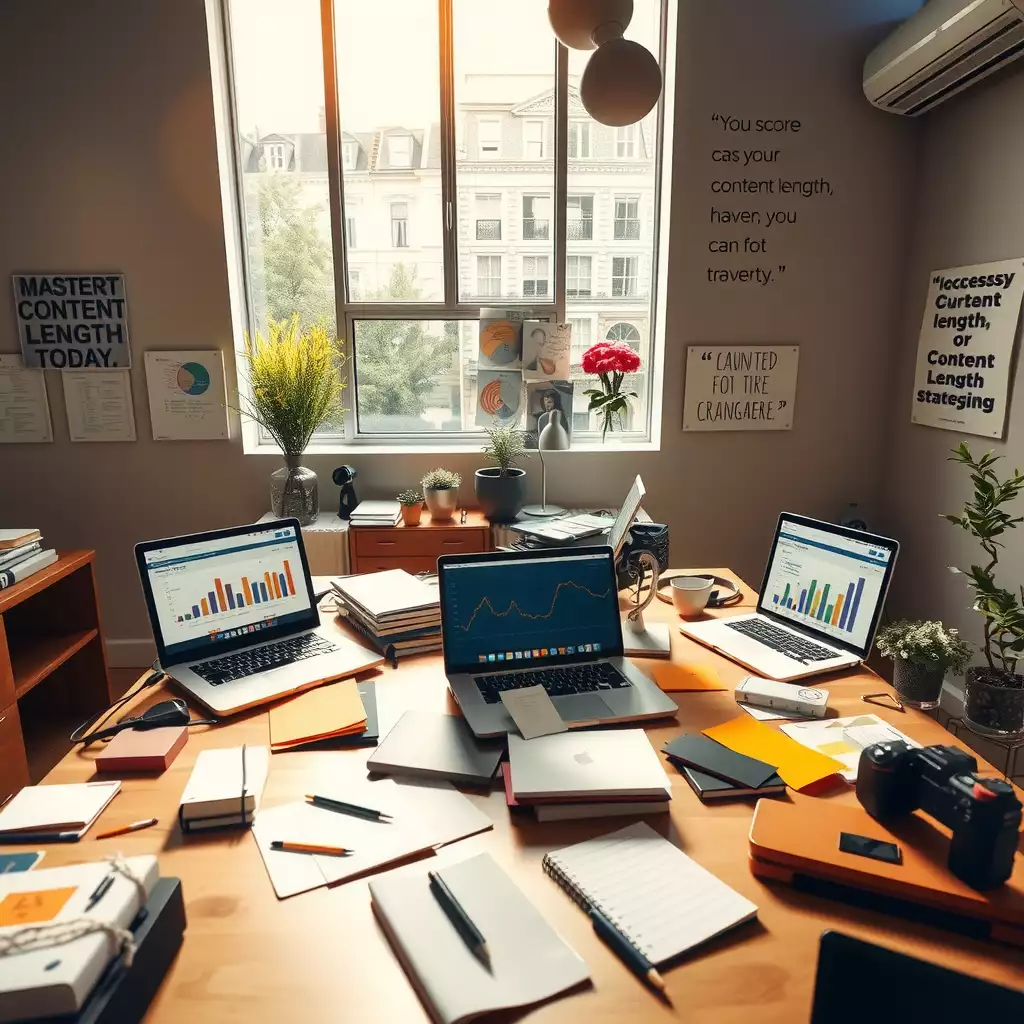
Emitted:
<point x="622" y="81"/>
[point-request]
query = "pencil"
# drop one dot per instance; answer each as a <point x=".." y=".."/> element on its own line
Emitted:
<point x="326" y="851"/>
<point x="343" y="807"/>
<point x="135" y="826"/>
<point x="629" y="954"/>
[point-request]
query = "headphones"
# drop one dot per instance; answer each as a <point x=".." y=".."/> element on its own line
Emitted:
<point x="727" y="594"/>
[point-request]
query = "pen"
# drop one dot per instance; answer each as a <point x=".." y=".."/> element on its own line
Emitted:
<point x="628" y="953"/>
<point x="135" y="826"/>
<point x="459" y="918"/>
<point x="100" y="891"/>
<point x="39" y="837"/>
<point x="327" y="851"/>
<point x="328" y="804"/>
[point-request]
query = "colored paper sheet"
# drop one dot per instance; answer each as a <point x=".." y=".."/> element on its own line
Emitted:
<point x="699" y="675"/>
<point x="332" y="710"/>
<point x="34" y="907"/>
<point x="798" y="765"/>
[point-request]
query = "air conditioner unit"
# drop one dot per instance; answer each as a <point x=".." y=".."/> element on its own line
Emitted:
<point x="944" y="48"/>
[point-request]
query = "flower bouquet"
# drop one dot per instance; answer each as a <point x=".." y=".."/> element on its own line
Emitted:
<point x="610" y="361"/>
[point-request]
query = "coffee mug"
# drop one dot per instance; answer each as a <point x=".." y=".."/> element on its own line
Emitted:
<point x="690" y="594"/>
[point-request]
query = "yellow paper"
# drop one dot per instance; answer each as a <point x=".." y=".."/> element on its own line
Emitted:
<point x="798" y="765"/>
<point x="326" y="711"/>
<point x="34" y="907"/>
<point x="699" y="675"/>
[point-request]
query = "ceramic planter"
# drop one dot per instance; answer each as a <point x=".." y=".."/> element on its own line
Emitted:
<point x="441" y="504"/>
<point x="994" y="703"/>
<point x="917" y="685"/>
<point x="501" y="497"/>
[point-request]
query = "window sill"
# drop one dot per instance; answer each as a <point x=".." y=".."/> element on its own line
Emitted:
<point x="427" y="448"/>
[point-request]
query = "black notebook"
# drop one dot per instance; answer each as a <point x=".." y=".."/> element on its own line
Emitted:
<point x="715" y="759"/>
<point x="708" y="787"/>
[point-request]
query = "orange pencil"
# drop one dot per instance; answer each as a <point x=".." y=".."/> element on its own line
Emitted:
<point x="135" y="826"/>
<point x="328" y="851"/>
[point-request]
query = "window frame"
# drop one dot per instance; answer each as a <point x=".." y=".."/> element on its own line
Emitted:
<point x="629" y="263"/>
<point x="538" y="123"/>
<point x="581" y="130"/>
<point x="399" y="237"/>
<point x="626" y="138"/>
<point x="349" y="310"/>
<point x="349" y="147"/>
<point x="481" y="155"/>
<point x="570" y="276"/>
<point x="407" y="141"/>
<point x="489" y="256"/>
<point x="536" y="276"/>
<point x="274" y="152"/>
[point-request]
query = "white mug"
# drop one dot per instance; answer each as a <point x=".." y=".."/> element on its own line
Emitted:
<point x="690" y="594"/>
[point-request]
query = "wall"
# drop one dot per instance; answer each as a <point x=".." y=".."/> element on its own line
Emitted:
<point x="110" y="101"/>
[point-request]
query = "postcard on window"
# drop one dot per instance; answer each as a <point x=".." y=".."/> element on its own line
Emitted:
<point x="546" y="350"/>
<point x="501" y="338"/>
<point x="548" y="414"/>
<point x="499" y="398"/>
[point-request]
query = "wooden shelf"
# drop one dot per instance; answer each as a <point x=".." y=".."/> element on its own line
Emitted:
<point x="36" y="658"/>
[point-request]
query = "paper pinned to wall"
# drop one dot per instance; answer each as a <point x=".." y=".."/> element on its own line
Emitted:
<point x="499" y="398"/>
<point x="99" y="405"/>
<point x="187" y="395"/>
<point x="24" y="409"/>
<point x="546" y="350"/>
<point x="501" y="338"/>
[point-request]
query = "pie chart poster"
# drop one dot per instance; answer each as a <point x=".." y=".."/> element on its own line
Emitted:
<point x="187" y="396"/>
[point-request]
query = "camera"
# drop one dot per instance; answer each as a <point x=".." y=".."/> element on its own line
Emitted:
<point x="894" y="779"/>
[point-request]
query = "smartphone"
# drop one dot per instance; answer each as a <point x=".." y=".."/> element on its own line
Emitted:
<point x="876" y="849"/>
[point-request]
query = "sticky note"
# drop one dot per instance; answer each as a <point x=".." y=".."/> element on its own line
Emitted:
<point x="36" y="907"/>
<point x="13" y="862"/>
<point x="698" y="675"/>
<point x="533" y="711"/>
<point x="798" y="765"/>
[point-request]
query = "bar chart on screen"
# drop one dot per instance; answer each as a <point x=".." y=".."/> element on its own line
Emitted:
<point x="835" y="604"/>
<point x="247" y="591"/>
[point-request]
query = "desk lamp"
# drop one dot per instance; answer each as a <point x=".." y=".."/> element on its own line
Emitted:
<point x="553" y="437"/>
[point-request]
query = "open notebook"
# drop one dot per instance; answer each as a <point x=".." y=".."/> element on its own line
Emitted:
<point x="661" y="900"/>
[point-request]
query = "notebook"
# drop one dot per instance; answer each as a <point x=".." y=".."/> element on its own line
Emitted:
<point x="573" y="811"/>
<point x="530" y="962"/>
<point x="708" y="756"/>
<point x="709" y="787"/>
<point x="427" y="745"/>
<point x="663" y="902"/>
<point x="318" y="714"/>
<point x="15" y="538"/>
<point x="213" y="796"/>
<point x="142" y="750"/>
<point x="391" y="594"/>
<point x="46" y="809"/>
<point x="586" y="765"/>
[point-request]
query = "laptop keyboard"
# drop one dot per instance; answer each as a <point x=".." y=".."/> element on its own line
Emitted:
<point x="559" y="682"/>
<point x="261" y="659"/>
<point x="781" y="640"/>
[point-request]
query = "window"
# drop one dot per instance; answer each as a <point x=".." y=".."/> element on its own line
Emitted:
<point x="488" y="132"/>
<point x="488" y="277"/>
<point x="535" y="276"/>
<point x="400" y="225"/>
<point x="579" y="140"/>
<point x="625" y="142"/>
<point x="577" y="276"/>
<point x="533" y="140"/>
<point x="488" y="218"/>
<point x="624" y="277"/>
<point x="624" y="332"/>
<point x="580" y="218"/>
<point x="536" y="217"/>
<point x="627" y="218"/>
<point x="334" y="243"/>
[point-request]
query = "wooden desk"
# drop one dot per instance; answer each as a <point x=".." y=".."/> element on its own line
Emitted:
<point x="321" y="956"/>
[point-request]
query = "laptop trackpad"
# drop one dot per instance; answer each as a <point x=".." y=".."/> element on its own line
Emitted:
<point x="581" y="707"/>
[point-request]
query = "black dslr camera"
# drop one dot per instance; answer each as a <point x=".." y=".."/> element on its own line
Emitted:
<point x="894" y="779"/>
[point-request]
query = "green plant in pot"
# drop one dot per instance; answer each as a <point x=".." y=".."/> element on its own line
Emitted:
<point x="993" y="692"/>
<point x="922" y="653"/>
<point x="295" y="385"/>
<point x="501" y="488"/>
<point x="441" y="493"/>
<point x="412" y="507"/>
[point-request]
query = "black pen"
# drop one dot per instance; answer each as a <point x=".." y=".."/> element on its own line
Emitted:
<point x="100" y="891"/>
<point x="628" y="953"/>
<point x="12" y="838"/>
<point x="329" y="804"/>
<point x="459" y="918"/>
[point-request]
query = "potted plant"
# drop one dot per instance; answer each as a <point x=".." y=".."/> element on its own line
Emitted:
<point x="441" y="493"/>
<point x="501" y="488"/>
<point x="993" y="692"/>
<point x="294" y="386"/>
<point x="412" y="507"/>
<point x="610" y="361"/>
<point x="922" y="653"/>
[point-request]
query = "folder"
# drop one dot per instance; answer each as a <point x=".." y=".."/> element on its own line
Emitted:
<point x="318" y="714"/>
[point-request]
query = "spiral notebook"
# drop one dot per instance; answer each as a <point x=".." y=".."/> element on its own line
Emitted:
<point x="663" y="902"/>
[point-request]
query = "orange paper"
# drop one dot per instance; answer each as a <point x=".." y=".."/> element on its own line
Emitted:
<point x="700" y="675"/>
<point x="318" y="714"/>
<point x="34" y="907"/>
<point x="798" y="765"/>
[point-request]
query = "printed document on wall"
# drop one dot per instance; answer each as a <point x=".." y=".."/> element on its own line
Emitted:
<point x="965" y="352"/>
<point x="187" y="396"/>
<point x="24" y="410"/>
<point x="99" y="405"/>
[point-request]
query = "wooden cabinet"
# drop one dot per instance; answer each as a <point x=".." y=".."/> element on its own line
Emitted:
<point x="416" y="548"/>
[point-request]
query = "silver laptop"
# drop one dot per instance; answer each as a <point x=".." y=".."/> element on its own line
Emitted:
<point x="234" y="617"/>
<point x="822" y="596"/>
<point x="512" y="619"/>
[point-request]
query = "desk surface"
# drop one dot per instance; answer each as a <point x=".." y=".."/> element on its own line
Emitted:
<point x="322" y="957"/>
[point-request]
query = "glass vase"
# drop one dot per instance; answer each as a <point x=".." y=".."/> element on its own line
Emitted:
<point x="294" y="492"/>
<point x="994" y="703"/>
<point x="919" y="686"/>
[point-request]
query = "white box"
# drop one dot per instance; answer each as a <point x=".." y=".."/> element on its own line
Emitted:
<point x="767" y="693"/>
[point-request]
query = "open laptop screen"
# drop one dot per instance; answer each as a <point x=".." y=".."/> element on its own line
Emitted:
<point x="528" y="609"/>
<point x="213" y="592"/>
<point x="828" y="579"/>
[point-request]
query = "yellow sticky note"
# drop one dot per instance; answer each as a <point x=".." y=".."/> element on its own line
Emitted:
<point x="35" y="907"/>
<point x="798" y="765"/>
<point x="835" y="747"/>
<point x="699" y="675"/>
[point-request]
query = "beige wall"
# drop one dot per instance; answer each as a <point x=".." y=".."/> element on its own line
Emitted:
<point x="110" y="101"/>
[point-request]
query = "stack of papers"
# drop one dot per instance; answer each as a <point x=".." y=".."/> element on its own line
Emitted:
<point x="221" y="791"/>
<point x="393" y="609"/>
<point x="842" y="739"/>
<point x="21" y="555"/>
<point x="376" y="513"/>
<point x="324" y="713"/>
<point x="41" y="811"/>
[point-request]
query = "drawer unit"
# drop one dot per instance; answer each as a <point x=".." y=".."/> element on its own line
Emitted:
<point x="416" y="548"/>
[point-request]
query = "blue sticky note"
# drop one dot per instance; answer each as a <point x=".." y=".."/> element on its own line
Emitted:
<point x="12" y="862"/>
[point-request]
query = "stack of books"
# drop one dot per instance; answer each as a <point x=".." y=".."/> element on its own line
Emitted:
<point x="21" y="555"/>
<point x="599" y="774"/>
<point x="395" y="611"/>
<point x="715" y="772"/>
<point x="376" y="513"/>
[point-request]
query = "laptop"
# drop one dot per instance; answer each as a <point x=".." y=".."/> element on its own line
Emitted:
<point x="512" y="619"/>
<point x="234" y="617"/>
<point x="821" y="598"/>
